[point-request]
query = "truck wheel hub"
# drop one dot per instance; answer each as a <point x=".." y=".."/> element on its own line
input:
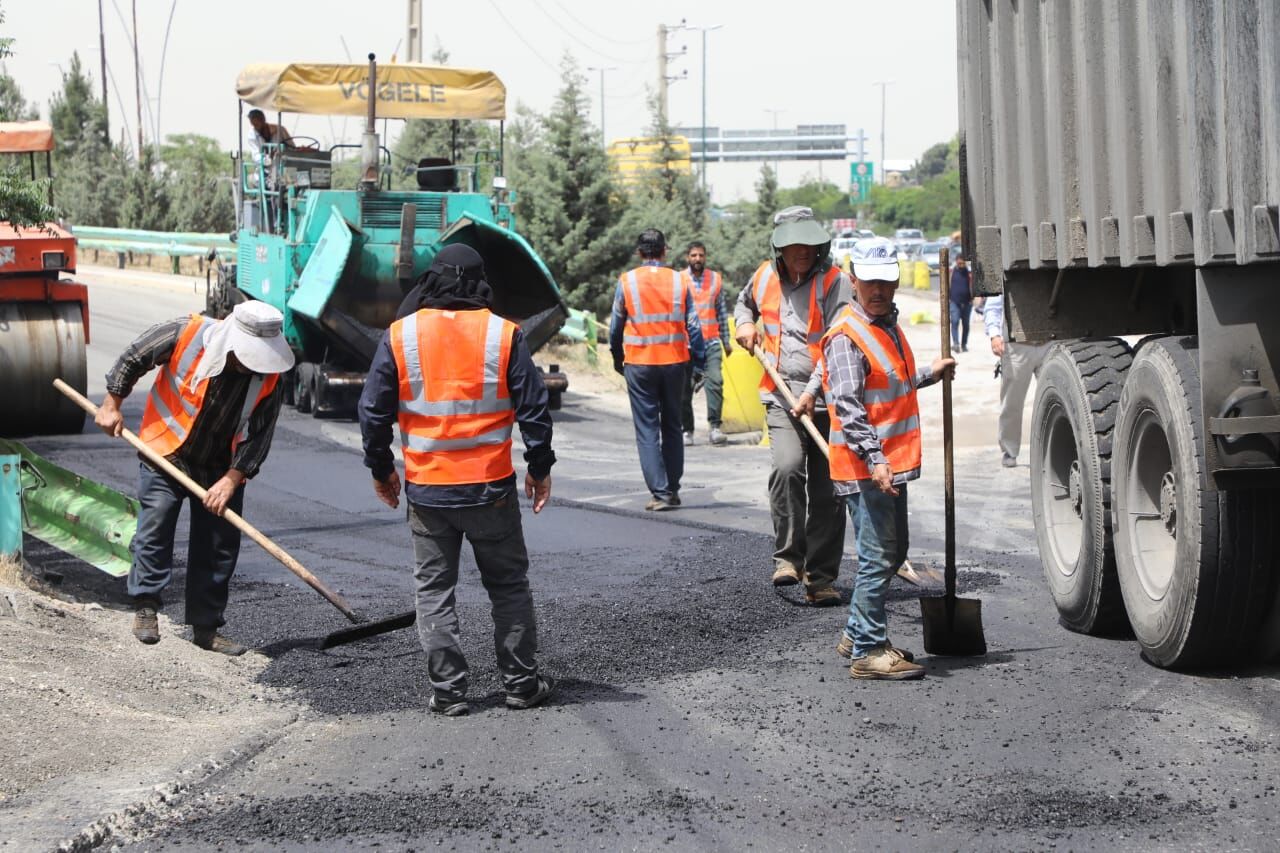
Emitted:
<point x="1169" y="503"/>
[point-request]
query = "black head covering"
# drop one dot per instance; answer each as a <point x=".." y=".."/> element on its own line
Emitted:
<point x="455" y="282"/>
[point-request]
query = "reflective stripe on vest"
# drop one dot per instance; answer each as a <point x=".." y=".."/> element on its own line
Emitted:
<point x="704" y="300"/>
<point x="455" y="409"/>
<point x="655" y="330"/>
<point x="889" y="398"/>
<point x="174" y="403"/>
<point x="766" y="288"/>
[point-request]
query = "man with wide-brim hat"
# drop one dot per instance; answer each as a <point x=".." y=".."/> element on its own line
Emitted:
<point x="784" y="310"/>
<point x="211" y="412"/>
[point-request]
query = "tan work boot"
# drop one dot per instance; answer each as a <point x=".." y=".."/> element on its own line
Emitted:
<point x="146" y="627"/>
<point x="885" y="664"/>
<point x="844" y="648"/>
<point x="823" y="596"/>
<point x="210" y="640"/>
<point x="785" y="574"/>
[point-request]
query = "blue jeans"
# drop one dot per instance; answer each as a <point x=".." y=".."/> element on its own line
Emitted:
<point x="655" y="391"/>
<point x="881" y="537"/>
<point x="212" y="548"/>
<point x="960" y="312"/>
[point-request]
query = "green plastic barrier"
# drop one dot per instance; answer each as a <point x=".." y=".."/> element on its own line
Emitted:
<point x="74" y="514"/>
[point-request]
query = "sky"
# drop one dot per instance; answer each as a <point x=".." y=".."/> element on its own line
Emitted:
<point x="817" y="63"/>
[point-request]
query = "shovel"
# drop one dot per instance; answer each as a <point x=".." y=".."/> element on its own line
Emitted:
<point x="364" y="627"/>
<point x="906" y="572"/>
<point x="952" y="626"/>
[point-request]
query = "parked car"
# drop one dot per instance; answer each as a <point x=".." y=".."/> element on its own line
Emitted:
<point x="905" y="238"/>
<point x="929" y="253"/>
<point x="864" y="233"/>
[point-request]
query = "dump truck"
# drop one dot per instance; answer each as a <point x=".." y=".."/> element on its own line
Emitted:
<point x="338" y="260"/>
<point x="1120" y="175"/>
<point x="44" y="315"/>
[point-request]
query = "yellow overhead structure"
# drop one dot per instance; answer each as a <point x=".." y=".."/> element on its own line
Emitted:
<point x="638" y="155"/>
<point x="406" y="90"/>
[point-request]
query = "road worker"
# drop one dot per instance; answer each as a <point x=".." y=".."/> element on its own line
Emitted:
<point x="456" y="378"/>
<point x="784" y="309"/>
<point x="654" y="332"/>
<point x="211" y="412"/>
<point x="708" y="297"/>
<point x="870" y="379"/>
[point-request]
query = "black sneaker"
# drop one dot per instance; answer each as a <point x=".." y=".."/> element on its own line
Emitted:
<point x="448" y="707"/>
<point x="146" y="627"/>
<point x="536" y="696"/>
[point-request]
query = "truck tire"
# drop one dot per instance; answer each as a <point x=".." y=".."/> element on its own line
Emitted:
<point x="303" y="387"/>
<point x="1195" y="565"/>
<point x="1077" y="394"/>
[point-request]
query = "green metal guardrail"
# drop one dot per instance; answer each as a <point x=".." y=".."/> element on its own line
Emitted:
<point x="175" y="245"/>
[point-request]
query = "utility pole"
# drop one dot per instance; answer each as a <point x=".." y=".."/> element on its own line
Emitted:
<point x="413" y="35"/>
<point x="704" y="30"/>
<point x="884" y="85"/>
<point x="603" y="139"/>
<point x="137" y="78"/>
<point x="664" y="32"/>
<point x="102" y="52"/>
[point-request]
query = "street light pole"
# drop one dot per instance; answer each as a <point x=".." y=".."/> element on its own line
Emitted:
<point x="602" y="69"/>
<point x="704" y="30"/>
<point x="884" y="85"/>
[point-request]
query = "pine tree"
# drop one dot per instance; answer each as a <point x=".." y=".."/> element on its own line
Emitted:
<point x="88" y="173"/>
<point x="13" y="106"/>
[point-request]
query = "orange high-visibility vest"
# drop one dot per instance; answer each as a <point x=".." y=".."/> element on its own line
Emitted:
<point x="655" y="332"/>
<point x="704" y="299"/>
<point x="766" y="288"/>
<point x="175" y="399"/>
<point x="889" y="398"/>
<point x="456" y="412"/>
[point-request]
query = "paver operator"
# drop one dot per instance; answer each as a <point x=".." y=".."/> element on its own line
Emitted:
<point x="870" y="379"/>
<point x="708" y="297"/>
<point x="654" y="332"/>
<point x="211" y="412"/>
<point x="785" y="309"/>
<point x="456" y="378"/>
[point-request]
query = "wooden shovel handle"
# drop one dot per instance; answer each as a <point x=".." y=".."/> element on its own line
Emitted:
<point x="236" y="520"/>
<point x="818" y="438"/>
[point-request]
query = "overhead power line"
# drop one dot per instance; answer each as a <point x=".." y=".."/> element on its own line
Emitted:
<point x="523" y="40"/>
<point x="596" y="34"/>
<point x="590" y="46"/>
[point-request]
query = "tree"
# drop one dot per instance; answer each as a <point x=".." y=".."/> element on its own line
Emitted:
<point x="766" y="196"/>
<point x="933" y="162"/>
<point x="200" y="200"/>
<point x="146" y="200"/>
<point x="79" y="119"/>
<point x="13" y="106"/>
<point x="88" y="173"/>
<point x="22" y="200"/>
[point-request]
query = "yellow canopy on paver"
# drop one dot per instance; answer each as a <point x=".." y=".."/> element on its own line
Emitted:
<point x="406" y="90"/>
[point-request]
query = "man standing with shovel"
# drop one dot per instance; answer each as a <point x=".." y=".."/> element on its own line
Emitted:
<point x="870" y="378"/>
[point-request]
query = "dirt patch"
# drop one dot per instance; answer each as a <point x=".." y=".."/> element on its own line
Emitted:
<point x="100" y="718"/>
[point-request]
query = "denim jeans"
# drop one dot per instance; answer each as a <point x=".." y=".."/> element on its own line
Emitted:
<point x="712" y="386"/>
<point x="497" y="541"/>
<point x="960" y="312"/>
<point x="881" y="537"/>
<point x="212" y="549"/>
<point x="655" y="391"/>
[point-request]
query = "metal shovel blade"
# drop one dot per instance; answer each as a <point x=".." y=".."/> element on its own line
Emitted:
<point x="953" y="626"/>
<point x="369" y="629"/>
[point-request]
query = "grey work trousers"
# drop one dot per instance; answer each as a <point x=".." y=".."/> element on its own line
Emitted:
<point x="497" y="541"/>
<point x="1018" y="366"/>
<point x="808" y="516"/>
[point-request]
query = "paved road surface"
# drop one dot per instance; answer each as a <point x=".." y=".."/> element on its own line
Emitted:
<point x="699" y="709"/>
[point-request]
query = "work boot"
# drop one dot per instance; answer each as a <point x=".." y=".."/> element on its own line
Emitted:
<point x="823" y="596"/>
<point x="688" y="439"/>
<point x="674" y="499"/>
<point x="659" y="505"/>
<point x="785" y="574"/>
<point x="539" y="694"/>
<point x="146" y="627"/>
<point x="1009" y="461"/>
<point x="718" y="438"/>
<point x="208" y="638"/>
<point x="844" y="648"/>
<point x="885" y="664"/>
<point x="448" y="707"/>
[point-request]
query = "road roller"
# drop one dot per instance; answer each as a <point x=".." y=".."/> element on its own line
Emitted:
<point x="44" y="315"/>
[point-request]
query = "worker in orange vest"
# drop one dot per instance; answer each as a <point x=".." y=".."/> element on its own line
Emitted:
<point x="870" y="378"/>
<point x="654" y="332"/>
<point x="211" y="412"/>
<point x="708" y="297"/>
<point x="456" y="378"/>
<point x="785" y="309"/>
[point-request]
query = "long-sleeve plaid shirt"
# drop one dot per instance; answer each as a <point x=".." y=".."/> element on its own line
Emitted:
<point x="847" y="368"/>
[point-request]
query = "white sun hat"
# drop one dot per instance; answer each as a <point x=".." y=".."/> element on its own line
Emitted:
<point x="875" y="259"/>
<point x="255" y="333"/>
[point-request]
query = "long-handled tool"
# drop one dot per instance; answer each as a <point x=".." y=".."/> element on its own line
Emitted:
<point x="906" y="572"/>
<point x="363" y="627"/>
<point x="952" y="626"/>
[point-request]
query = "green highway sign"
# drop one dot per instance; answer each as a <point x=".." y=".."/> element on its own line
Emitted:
<point x="861" y="177"/>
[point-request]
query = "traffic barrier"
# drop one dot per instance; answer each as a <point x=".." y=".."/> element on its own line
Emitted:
<point x="921" y="273"/>
<point x="742" y="410"/>
<point x="174" y="245"/>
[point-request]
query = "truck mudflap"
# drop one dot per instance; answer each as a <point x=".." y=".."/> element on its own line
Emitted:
<point x="523" y="288"/>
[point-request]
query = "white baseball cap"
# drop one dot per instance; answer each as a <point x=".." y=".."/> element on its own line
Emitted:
<point x="875" y="259"/>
